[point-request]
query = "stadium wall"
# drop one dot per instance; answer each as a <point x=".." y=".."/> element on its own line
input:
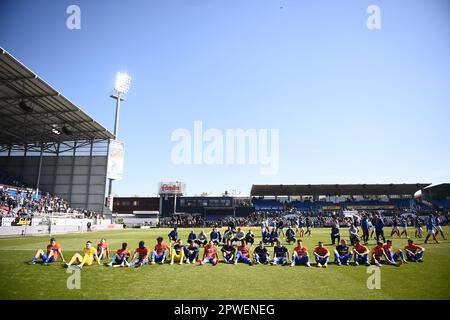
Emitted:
<point x="61" y="229"/>
<point x="81" y="180"/>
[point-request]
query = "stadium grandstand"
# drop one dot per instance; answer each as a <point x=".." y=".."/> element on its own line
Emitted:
<point x="317" y="198"/>
<point x="320" y="202"/>
<point x="53" y="156"/>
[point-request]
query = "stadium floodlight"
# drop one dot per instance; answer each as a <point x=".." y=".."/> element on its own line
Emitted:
<point x="123" y="82"/>
<point x="121" y="87"/>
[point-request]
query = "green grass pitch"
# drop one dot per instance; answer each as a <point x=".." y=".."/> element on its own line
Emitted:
<point x="18" y="280"/>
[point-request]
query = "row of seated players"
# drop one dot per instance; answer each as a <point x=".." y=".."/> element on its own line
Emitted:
<point x="268" y="237"/>
<point x="379" y="255"/>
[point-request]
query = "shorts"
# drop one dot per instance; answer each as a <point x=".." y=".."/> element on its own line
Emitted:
<point x="44" y="257"/>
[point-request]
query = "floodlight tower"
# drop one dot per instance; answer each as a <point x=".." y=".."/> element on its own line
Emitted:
<point x="121" y="87"/>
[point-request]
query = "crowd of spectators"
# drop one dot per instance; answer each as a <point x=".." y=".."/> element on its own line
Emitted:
<point x="23" y="203"/>
<point x="286" y="217"/>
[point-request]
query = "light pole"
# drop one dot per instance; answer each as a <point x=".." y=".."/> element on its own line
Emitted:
<point x="121" y="87"/>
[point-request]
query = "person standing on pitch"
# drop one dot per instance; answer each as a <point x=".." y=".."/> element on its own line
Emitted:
<point x="365" y="229"/>
<point x="379" y="228"/>
<point x="335" y="232"/>
<point x="439" y="228"/>
<point x="430" y="229"/>
<point x="353" y="233"/>
<point x="308" y="226"/>
<point x="418" y="226"/>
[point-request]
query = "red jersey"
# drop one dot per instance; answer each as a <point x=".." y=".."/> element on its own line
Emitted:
<point x="143" y="252"/>
<point x="301" y="251"/>
<point x="161" y="248"/>
<point x="378" y="252"/>
<point x="210" y="251"/>
<point x="387" y="248"/>
<point x="360" y="249"/>
<point x="123" y="253"/>
<point x="413" y="248"/>
<point x="321" y="251"/>
<point x="245" y="250"/>
<point x="55" y="250"/>
<point x="102" y="246"/>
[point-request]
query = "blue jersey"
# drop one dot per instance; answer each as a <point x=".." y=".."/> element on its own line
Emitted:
<point x="379" y="224"/>
<point x="430" y="223"/>
<point x="365" y="224"/>
<point x="173" y="235"/>
<point x="215" y="236"/>
<point x="192" y="237"/>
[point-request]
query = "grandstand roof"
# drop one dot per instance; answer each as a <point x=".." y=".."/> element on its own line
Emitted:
<point x="47" y="109"/>
<point x="336" y="189"/>
<point x="441" y="189"/>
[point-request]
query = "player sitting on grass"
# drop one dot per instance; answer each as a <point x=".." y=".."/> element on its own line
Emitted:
<point x="121" y="257"/>
<point x="90" y="254"/>
<point x="177" y="253"/>
<point x="159" y="254"/>
<point x="192" y="237"/>
<point x="361" y="253"/>
<point x="239" y="236"/>
<point x="250" y="238"/>
<point x="215" y="236"/>
<point x="300" y="255"/>
<point x="53" y="251"/>
<point x="103" y="250"/>
<point x="243" y="254"/>
<point x="322" y="255"/>
<point x="173" y="235"/>
<point x="228" y="235"/>
<point x="266" y="238"/>
<point x="379" y="256"/>
<point x="228" y="251"/>
<point x="413" y="252"/>
<point x="274" y="236"/>
<point x="140" y="257"/>
<point x="393" y="256"/>
<point x="342" y="253"/>
<point x="191" y="252"/>
<point x="202" y="239"/>
<point x="290" y="235"/>
<point x="280" y="254"/>
<point x="210" y="254"/>
<point x="260" y="254"/>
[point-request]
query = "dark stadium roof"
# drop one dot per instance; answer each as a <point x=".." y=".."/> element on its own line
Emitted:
<point x="336" y="189"/>
<point x="443" y="189"/>
<point x="47" y="109"/>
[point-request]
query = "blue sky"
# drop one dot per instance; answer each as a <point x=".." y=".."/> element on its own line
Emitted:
<point x="353" y="105"/>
